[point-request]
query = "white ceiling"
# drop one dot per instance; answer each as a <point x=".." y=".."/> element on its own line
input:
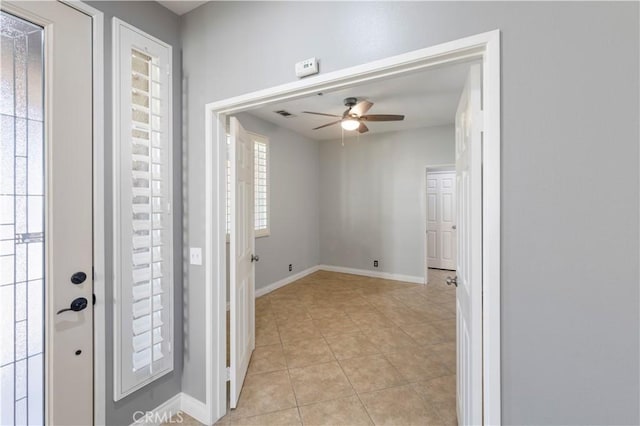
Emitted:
<point x="180" y="7"/>
<point x="427" y="98"/>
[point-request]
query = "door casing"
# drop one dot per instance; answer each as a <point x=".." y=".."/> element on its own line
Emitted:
<point x="484" y="47"/>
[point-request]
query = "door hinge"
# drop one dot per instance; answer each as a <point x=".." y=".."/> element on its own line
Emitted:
<point x="228" y="374"/>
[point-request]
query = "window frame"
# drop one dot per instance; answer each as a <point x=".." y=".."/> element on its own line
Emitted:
<point x="126" y="37"/>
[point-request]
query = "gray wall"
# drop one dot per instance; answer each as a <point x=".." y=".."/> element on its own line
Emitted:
<point x="163" y="24"/>
<point x="372" y="200"/>
<point x="569" y="171"/>
<point x="294" y="168"/>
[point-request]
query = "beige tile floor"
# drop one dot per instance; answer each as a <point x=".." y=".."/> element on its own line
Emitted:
<point x="339" y="349"/>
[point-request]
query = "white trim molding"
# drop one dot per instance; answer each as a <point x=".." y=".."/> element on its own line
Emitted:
<point x="374" y="274"/>
<point x="287" y="280"/>
<point x="177" y="405"/>
<point x="342" y="269"/>
<point x="484" y="47"/>
<point x="194" y="408"/>
<point x="161" y="414"/>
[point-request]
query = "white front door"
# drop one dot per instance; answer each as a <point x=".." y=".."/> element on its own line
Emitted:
<point x="469" y="268"/>
<point x="46" y="247"/>
<point x="241" y="266"/>
<point x="441" y="228"/>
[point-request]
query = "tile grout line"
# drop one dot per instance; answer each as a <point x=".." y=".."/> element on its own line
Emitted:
<point x="353" y="388"/>
<point x="314" y="296"/>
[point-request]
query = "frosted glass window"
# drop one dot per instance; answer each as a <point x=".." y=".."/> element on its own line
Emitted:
<point x="22" y="230"/>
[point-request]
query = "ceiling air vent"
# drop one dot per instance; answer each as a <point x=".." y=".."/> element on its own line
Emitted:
<point x="285" y="114"/>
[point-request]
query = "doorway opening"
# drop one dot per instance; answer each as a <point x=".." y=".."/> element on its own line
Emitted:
<point x="484" y="47"/>
<point x="440" y="234"/>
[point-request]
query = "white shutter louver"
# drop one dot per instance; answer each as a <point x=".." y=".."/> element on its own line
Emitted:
<point x="144" y="272"/>
<point x="261" y="185"/>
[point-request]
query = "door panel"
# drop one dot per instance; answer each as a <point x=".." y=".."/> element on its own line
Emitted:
<point x="469" y="256"/>
<point x="51" y="227"/>
<point x="242" y="272"/>
<point x="441" y="233"/>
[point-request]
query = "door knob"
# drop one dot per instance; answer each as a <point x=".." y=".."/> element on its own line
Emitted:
<point x="453" y="227"/>
<point x="255" y="258"/>
<point x="453" y="281"/>
<point x="76" y="306"/>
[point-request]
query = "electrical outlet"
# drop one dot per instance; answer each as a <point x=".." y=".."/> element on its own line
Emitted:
<point x="290" y="267"/>
<point x="375" y="263"/>
<point x="195" y="256"/>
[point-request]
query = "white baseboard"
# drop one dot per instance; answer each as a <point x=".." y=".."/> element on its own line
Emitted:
<point x="195" y="408"/>
<point x="288" y="280"/>
<point x="159" y="415"/>
<point x="170" y="408"/>
<point x="374" y="274"/>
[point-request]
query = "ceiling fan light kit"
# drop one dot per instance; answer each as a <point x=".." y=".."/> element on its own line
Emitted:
<point x="355" y="115"/>
<point x="350" y="123"/>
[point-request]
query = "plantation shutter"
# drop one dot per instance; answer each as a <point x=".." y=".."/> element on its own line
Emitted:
<point x="261" y="190"/>
<point x="261" y="186"/>
<point x="144" y="270"/>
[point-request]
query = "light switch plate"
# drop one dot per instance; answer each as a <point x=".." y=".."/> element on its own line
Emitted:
<point x="195" y="256"/>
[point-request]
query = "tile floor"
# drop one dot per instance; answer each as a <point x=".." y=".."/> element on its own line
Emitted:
<point x="339" y="349"/>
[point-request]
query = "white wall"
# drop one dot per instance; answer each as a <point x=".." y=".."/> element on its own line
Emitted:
<point x="570" y="130"/>
<point x="372" y="198"/>
<point x="294" y="214"/>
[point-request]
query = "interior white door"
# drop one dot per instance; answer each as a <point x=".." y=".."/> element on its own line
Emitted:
<point x="469" y="265"/>
<point x="47" y="134"/>
<point x="242" y="271"/>
<point x="441" y="228"/>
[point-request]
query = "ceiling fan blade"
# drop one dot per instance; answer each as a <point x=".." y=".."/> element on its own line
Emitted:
<point x="382" y="117"/>
<point x="361" y="108"/>
<point x="328" y="124"/>
<point x="363" y="128"/>
<point x="320" y="113"/>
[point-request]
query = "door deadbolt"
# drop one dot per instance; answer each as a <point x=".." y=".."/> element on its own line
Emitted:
<point x="78" y="277"/>
<point x="76" y="306"/>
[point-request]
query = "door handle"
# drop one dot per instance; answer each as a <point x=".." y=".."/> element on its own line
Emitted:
<point x="453" y="227"/>
<point x="453" y="281"/>
<point x="76" y="306"/>
<point x="255" y="258"/>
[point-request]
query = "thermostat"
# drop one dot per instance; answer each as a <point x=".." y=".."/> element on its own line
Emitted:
<point x="307" y="67"/>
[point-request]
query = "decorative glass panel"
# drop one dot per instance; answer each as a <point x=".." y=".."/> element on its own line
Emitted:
<point x="22" y="230"/>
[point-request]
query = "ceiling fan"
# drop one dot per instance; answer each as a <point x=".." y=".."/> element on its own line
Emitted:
<point x="354" y="117"/>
